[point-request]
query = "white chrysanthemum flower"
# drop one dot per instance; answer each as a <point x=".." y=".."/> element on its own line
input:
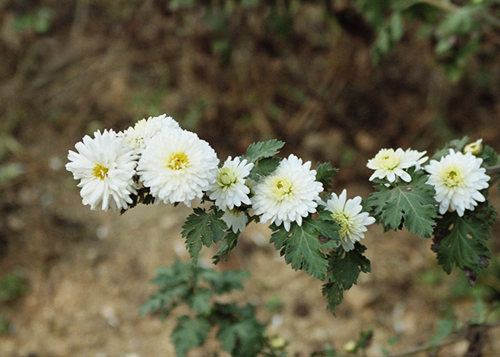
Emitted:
<point x="177" y="166"/>
<point x="229" y="189"/>
<point x="105" y="168"/>
<point x="457" y="179"/>
<point x="389" y="164"/>
<point x="348" y="215"/>
<point x="416" y="157"/>
<point x="235" y="219"/>
<point x="145" y="129"/>
<point x="288" y="194"/>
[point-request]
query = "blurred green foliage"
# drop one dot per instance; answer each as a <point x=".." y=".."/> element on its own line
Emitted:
<point x="455" y="31"/>
<point x="40" y="21"/>
<point x="12" y="286"/>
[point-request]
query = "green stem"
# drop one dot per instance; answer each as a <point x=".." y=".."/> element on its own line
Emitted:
<point x="458" y="336"/>
<point x="493" y="170"/>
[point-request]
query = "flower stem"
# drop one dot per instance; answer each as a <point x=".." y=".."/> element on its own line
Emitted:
<point x="493" y="170"/>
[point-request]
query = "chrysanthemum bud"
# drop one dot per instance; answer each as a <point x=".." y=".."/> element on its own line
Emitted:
<point x="278" y="343"/>
<point x="474" y="148"/>
<point x="350" y="346"/>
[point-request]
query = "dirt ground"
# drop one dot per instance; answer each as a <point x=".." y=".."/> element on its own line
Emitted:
<point x="234" y="80"/>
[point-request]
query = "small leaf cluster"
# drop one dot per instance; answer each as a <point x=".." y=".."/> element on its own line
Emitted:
<point x="238" y="330"/>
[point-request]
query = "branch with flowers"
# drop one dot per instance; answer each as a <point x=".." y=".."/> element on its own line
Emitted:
<point x="314" y="229"/>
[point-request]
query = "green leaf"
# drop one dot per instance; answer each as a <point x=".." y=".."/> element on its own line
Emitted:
<point x="411" y="203"/>
<point x="324" y="174"/>
<point x="346" y="269"/>
<point x="225" y="282"/>
<point x="445" y="327"/>
<point x="488" y="155"/>
<point x="461" y="241"/>
<point x="241" y="334"/>
<point x="173" y="286"/>
<point x="202" y="228"/>
<point x="264" y="167"/>
<point x="396" y="26"/>
<point x="343" y="271"/>
<point x="262" y="150"/>
<point x="301" y="246"/>
<point x="200" y="301"/>
<point x="456" y="145"/>
<point x="229" y="241"/>
<point x="459" y="22"/>
<point x="189" y="333"/>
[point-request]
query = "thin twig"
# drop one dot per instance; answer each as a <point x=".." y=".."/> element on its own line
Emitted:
<point x="458" y="336"/>
<point x="493" y="170"/>
<point x="443" y="5"/>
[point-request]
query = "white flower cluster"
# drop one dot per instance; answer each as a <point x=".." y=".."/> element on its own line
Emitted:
<point x="457" y="177"/>
<point x="177" y="166"/>
<point x="173" y="163"/>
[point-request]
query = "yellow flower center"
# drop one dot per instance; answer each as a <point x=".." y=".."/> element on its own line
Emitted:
<point x="389" y="161"/>
<point x="100" y="172"/>
<point x="178" y="161"/>
<point x="344" y="222"/>
<point x="452" y="177"/>
<point x="226" y="177"/>
<point x="281" y="188"/>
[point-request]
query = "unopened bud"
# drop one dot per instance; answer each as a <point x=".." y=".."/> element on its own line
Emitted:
<point x="278" y="343"/>
<point x="474" y="148"/>
<point x="350" y="346"/>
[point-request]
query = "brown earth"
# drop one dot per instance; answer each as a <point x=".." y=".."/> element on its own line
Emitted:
<point x="233" y="80"/>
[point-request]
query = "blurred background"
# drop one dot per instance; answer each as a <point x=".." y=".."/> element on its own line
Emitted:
<point x="336" y="80"/>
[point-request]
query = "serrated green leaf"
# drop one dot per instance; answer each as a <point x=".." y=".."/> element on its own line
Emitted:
<point x="464" y="243"/>
<point x="343" y="271"/>
<point x="411" y="203"/>
<point x="229" y="241"/>
<point x="301" y="247"/>
<point x="262" y="150"/>
<point x="202" y="228"/>
<point x="324" y="174"/>
<point x="334" y="295"/>
<point x="346" y="269"/>
<point x="488" y="155"/>
<point x="189" y="333"/>
<point x="264" y="168"/>
<point x="456" y="145"/>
